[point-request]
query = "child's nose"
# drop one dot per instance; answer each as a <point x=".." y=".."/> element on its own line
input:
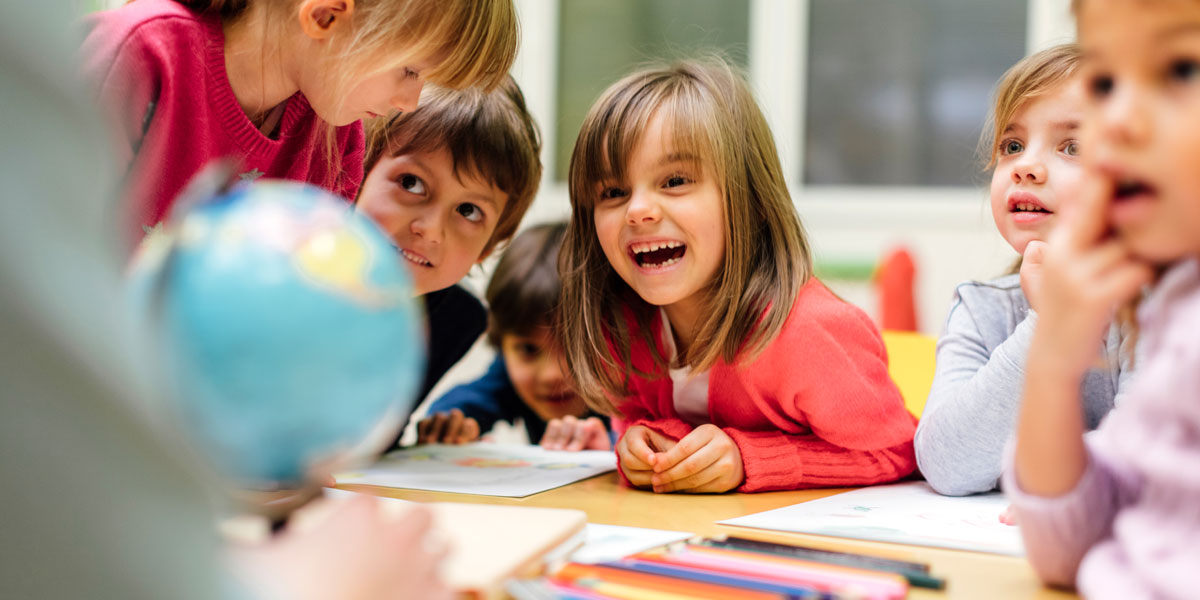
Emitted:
<point x="550" y="373"/>
<point x="642" y="209"/>
<point x="408" y="96"/>
<point x="428" y="226"/>
<point x="1125" y="117"/>
<point x="1030" y="169"/>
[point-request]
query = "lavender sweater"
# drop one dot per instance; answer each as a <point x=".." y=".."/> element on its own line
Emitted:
<point x="1131" y="526"/>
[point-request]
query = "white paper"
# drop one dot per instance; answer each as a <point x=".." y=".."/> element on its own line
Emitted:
<point x="613" y="542"/>
<point x="482" y="468"/>
<point x="905" y="513"/>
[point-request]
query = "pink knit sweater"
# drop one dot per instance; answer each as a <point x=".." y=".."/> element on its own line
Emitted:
<point x="158" y="70"/>
<point x="1131" y="527"/>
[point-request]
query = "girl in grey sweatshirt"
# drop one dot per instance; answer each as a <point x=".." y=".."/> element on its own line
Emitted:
<point x="972" y="407"/>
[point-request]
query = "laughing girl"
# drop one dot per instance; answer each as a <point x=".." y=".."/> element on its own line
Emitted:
<point x="690" y="309"/>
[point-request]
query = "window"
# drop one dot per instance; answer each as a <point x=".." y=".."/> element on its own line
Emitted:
<point x="601" y="41"/>
<point x="897" y="91"/>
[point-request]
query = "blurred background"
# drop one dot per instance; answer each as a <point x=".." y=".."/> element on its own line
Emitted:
<point x="876" y="105"/>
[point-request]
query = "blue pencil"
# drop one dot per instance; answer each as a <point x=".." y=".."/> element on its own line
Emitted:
<point x="736" y="581"/>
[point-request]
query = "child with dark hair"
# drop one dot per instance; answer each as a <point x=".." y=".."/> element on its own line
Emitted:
<point x="528" y="380"/>
<point x="449" y="182"/>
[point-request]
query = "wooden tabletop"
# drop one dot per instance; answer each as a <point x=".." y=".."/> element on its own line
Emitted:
<point x="968" y="574"/>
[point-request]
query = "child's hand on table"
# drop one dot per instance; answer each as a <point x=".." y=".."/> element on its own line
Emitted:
<point x="572" y="434"/>
<point x="704" y="461"/>
<point x="447" y="428"/>
<point x="635" y="453"/>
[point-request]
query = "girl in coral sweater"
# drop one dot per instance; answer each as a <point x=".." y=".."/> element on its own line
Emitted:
<point x="689" y="307"/>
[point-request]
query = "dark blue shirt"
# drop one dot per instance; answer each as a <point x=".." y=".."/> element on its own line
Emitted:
<point x="493" y="398"/>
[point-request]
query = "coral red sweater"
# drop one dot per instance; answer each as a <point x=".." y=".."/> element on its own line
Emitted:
<point x="158" y="70"/>
<point x="815" y="409"/>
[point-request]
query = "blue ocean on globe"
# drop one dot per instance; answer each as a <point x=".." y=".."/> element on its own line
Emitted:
<point x="288" y="328"/>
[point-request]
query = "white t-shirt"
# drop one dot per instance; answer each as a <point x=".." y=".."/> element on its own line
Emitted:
<point x="689" y="390"/>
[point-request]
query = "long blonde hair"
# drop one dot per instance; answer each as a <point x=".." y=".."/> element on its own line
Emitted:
<point x="475" y="41"/>
<point x="713" y="115"/>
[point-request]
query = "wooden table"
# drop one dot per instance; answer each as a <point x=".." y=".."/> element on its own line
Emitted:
<point x="968" y="574"/>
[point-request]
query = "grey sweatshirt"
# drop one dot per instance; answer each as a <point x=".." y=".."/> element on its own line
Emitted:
<point x="973" y="404"/>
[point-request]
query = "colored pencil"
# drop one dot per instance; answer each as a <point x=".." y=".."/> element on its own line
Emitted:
<point x="917" y="574"/>
<point x="833" y="579"/>
<point x="587" y="576"/>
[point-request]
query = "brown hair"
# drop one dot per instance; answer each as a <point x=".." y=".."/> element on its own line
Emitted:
<point x="525" y="288"/>
<point x="489" y="134"/>
<point x="713" y="115"/>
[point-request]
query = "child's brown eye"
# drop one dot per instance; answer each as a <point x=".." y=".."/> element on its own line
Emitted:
<point x="411" y="183"/>
<point x="676" y="181"/>
<point x="470" y="212"/>
<point x="1101" y="86"/>
<point x="1071" y="148"/>
<point x="1184" y="70"/>
<point x="528" y="350"/>
<point x="612" y="192"/>
<point x="1012" y="147"/>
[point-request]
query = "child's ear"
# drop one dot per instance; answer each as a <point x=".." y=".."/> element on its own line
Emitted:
<point x="321" y="18"/>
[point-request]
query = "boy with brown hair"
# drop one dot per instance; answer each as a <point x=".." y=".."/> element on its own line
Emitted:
<point x="449" y="182"/>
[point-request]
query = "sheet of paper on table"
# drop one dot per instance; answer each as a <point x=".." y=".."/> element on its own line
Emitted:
<point x="482" y="468"/>
<point x="613" y="542"/>
<point x="905" y="513"/>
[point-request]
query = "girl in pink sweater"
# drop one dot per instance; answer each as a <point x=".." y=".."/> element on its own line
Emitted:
<point x="281" y="85"/>
<point x="689" y="305"/>
<point x="1118" y="514"/>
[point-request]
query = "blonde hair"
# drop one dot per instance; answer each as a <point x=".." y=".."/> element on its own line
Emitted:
<point x="1033" y="76"/>
<point x="766" y="261"/>
<point x="489" y="134"/>
<point x="473" y="42"/>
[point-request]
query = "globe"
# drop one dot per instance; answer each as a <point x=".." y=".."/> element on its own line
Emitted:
<point x="287" y="325"/>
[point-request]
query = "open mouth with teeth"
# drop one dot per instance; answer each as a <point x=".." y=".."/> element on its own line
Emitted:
<point x="415" y="258"/>
<point x="657" y="255"/>
<point x="1028" y="207"/>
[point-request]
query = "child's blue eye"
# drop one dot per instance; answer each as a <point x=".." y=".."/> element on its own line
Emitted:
<point x="470" y="212"/>
<point x="411" y="183"/>
<point x="1011" y="147"/>
<point x="1184" y="69"/>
